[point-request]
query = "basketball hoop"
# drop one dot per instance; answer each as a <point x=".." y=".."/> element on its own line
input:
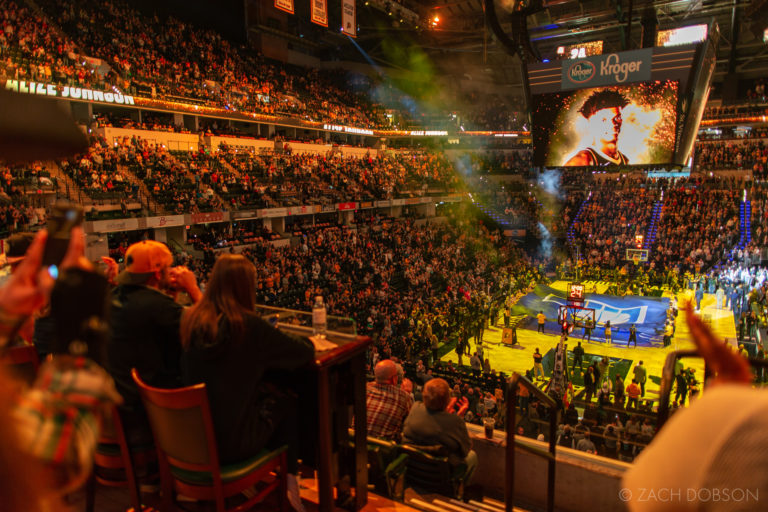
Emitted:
<point x="575" y="316"/>
<point x="637" y="255"/>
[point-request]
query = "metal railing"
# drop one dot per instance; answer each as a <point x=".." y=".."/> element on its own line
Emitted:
<point x="509" y="488"/>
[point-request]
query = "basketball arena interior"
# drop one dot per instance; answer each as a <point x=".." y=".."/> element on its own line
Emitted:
<point x="383" y="255"/>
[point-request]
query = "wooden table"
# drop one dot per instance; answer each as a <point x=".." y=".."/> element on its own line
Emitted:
<point x="348" y="357"/>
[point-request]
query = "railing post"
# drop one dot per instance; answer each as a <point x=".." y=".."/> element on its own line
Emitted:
<point x="553" y="414"/>
<point x="509" y="459"/>
<point x="509" y="454"/>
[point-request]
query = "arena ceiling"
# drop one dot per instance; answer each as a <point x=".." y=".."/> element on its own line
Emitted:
<point x="461" y="43"/>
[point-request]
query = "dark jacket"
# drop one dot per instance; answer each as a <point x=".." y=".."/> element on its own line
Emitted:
<point x="589" y="381"/>
<point x="144" y="325"/>
<point x="242" y="406"/>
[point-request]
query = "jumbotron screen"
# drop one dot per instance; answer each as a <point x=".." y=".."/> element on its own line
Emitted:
<point x="616" y="125"/>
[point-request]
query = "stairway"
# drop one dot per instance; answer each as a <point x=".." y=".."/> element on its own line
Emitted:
<point x="745" y="223"/>
<point x="144" y="194"/>
<point x="444" y="504"/>
<point x="650" y="235"/>
<point x="570" y="234"/>
<point x="501" y="220"/>
<point x="67" y="186"/>
<point x="189" y="174"/>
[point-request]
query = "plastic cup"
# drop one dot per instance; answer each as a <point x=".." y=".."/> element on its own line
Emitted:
<point x="489" y="423"/>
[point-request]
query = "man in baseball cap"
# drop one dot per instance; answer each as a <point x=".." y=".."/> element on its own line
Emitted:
<point x="143" y="260"/>
<point x="145" y="328"/>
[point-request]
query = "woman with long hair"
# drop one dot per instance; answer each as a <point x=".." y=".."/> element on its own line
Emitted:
<point x="229" y="348"/>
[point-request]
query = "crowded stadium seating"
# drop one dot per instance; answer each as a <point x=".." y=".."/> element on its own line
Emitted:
<point x="415" y="276"/>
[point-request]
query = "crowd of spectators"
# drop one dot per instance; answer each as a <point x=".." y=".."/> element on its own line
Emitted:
<point x="181" y="61"/>
<point x="749" y="155"/>
<point x="491" y="112"/>
<point x="401" y="282"/>
<point x="19" y="216"/>
<point x="98" y="174"/>
<point x="104" y="45"/>
<point x="32" y="50"/>
<point x="150" y="122"/>
<point x="728" y="133"/>
<point x="699" y="224"/>
<point x="615" y="213"/>
<point x="21" y="197"/>
<point x="245" y="179"/>
<point x="757" y="194"/>
<point x="726" y="113"/>
<point x="517" y="161"/>
<point x="178" y="187"/>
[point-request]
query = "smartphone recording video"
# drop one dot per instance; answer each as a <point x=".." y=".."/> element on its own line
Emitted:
<point x="64" y="216"/>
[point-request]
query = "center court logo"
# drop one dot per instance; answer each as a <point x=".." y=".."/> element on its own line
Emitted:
<point x="581" y="72"/>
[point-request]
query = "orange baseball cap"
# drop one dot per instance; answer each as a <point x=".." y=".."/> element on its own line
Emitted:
<point x="144" y="258"/>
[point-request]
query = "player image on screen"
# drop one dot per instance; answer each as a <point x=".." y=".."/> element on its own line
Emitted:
<point x="602" y="110"/>
<point x="616" y="125"/>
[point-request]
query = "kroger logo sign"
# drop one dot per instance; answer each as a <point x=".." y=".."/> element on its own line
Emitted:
<point x="611" y="69"/>
<point x="611" y="66"/>
<point x="581" y="72"/>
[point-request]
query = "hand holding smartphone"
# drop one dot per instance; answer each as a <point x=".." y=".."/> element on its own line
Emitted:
<point x="63" y="218"/>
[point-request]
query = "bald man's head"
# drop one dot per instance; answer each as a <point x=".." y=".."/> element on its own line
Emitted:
<point x="436" y="394"/>
<point x="385" y="372"/>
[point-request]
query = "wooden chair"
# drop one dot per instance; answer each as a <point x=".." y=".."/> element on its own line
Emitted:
<point x="22" y="362"/>
<point x="188" y="458"/>
<point x="428" y="469"/>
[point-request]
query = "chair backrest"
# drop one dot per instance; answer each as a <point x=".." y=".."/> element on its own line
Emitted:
<point x="23" y="362"/>
<point x="182" y="425"/>
<point x="428" y="471"/>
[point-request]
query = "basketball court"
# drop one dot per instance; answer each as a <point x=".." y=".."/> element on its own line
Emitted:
<point x="519" y="358"/>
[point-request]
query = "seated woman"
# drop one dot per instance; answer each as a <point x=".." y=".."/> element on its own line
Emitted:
<point x="229" y="348"/>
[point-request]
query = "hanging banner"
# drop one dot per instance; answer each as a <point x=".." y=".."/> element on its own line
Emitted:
<point x="320" y="12"/>
<point x="285" y="5"/>
<point x="348" y="22"/>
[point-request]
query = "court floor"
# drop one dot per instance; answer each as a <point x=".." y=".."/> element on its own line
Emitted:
<point x="520" y="358"/>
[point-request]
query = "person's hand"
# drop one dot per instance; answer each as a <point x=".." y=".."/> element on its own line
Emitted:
<point x="184" y="279"/>
<point x="30" y="285"/>
<point x="727" y="365"/>
<point x="112" y="269"/>
<point x="451" y="405"/>
<point x="75" y="256"/>
<point x="28" y="288"/>
<point x="463" y="404"/>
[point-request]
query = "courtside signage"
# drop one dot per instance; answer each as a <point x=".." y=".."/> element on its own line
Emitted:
<point x="610" y="69"/>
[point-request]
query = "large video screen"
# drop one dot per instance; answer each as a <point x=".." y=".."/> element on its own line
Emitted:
<point x="617" y="125"/>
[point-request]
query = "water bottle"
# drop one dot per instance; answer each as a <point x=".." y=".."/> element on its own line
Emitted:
<point x="319" y="315"/>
